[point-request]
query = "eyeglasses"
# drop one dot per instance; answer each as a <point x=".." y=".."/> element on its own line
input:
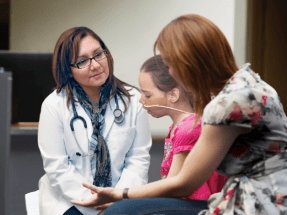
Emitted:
<point x="87" y="61"/>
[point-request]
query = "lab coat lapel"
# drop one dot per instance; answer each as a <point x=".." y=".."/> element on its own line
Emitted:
<point x="109" y="118"/>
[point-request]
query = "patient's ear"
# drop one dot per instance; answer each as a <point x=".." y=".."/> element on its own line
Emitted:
<point x="173" y="95"/>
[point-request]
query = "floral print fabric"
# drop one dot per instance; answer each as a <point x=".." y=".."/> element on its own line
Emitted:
<point x="256" y="164"/>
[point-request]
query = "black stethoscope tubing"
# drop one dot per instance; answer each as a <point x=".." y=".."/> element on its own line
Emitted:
<point x="119" y="117"/>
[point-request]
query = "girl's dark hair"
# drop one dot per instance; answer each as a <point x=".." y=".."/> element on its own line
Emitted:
<point x="161" y="77"/>
<point x="66" y="52"/>
<point x="159" y="73"/>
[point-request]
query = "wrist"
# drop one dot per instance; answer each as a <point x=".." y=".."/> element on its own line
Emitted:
<point x="118" y="194"/>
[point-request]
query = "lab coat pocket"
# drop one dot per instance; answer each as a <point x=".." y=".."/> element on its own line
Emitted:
<point x="120" y="141"/>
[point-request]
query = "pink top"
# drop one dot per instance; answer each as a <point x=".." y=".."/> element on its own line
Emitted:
<point x="183" y="140"/>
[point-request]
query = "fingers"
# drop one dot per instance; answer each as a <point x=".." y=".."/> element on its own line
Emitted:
<point x="88" y="202"/>
<point x="100" y="197"/>
<point x="76" y="201"/>
<point x="91" y="187"/>
<point x="91" y="202"/>
<point x="103" y="207"/>
<point x="101" y="213"/>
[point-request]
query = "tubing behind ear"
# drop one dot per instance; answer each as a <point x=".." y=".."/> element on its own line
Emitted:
<point x="119" y="116"/>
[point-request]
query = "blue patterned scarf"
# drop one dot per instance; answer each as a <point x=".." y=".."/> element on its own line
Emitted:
<point x="103" y="175"/>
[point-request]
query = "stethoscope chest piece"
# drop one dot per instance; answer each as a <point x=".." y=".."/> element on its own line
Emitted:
<point x="119" y="116"/>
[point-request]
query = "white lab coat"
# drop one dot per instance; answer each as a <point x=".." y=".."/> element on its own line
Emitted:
<point x="129" y="144"/>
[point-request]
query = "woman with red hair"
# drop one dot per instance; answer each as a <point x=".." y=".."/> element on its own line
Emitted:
<point x="243" y="132"/>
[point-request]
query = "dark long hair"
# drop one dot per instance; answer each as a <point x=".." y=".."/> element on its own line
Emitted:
<point x="161" y="77"/>
<point x="159" y="73"/>
<point x="199" y="54"/>
<point x="67" y="50"/>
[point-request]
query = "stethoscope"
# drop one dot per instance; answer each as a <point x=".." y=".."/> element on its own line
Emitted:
<point x="119" y="118"/>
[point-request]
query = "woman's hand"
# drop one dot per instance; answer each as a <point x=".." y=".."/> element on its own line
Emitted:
<point x="102" y="208"/>
<point x="101" y="196"/>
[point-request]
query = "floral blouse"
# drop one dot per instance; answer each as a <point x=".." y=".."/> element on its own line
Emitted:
<point x="256" y="164"/>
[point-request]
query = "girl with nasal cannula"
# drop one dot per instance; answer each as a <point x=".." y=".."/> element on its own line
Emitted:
<point x="244" y="133"/>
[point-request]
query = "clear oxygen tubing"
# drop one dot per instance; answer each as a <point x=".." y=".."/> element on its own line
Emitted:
<point x="147" y="106"/>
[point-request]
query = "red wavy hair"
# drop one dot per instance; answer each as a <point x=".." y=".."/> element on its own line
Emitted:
<point x="199" y="54"/>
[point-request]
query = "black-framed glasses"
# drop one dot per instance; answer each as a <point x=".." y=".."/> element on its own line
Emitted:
<point x="87" y="61"/>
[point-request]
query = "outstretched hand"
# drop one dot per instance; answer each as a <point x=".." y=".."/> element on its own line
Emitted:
<point x="101" y="197"/>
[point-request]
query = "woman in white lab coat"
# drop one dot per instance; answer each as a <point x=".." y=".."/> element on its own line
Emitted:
<point x="92" y="128"/>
